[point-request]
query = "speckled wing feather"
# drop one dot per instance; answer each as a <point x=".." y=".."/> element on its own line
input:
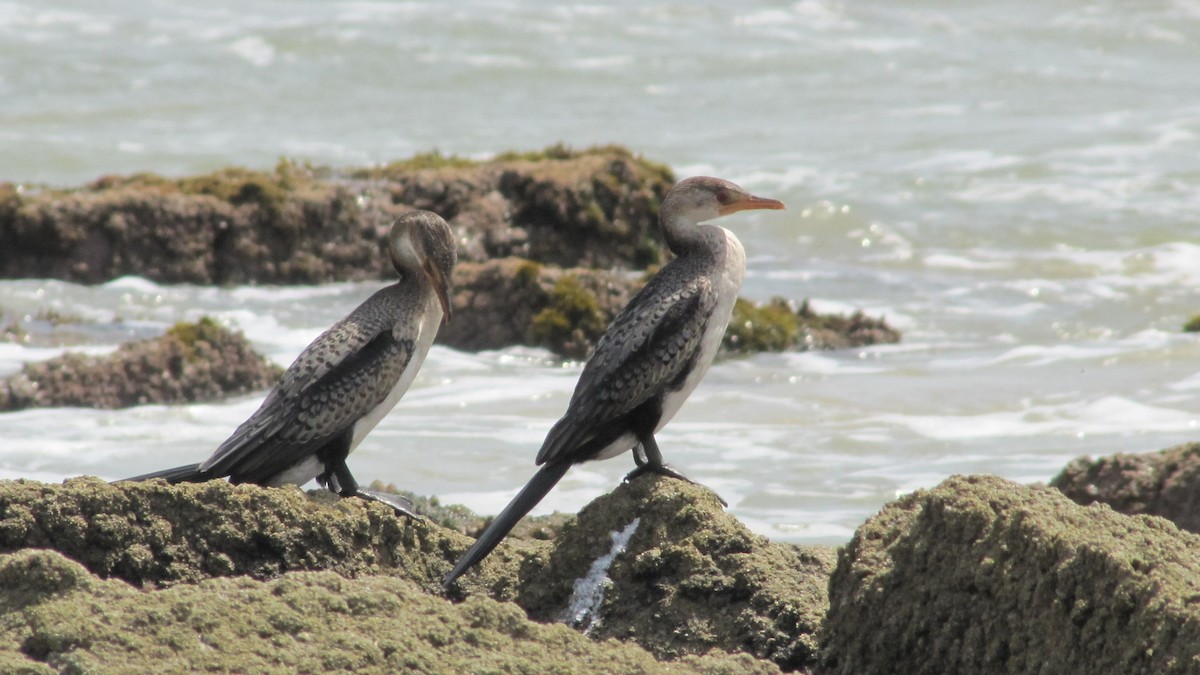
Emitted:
<point x="648" y="350"/>
<point x="337" y="379"/>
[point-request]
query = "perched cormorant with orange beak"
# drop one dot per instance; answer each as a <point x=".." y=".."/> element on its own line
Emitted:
<point x="347" y="380"/>
<point x="651" y="357"/>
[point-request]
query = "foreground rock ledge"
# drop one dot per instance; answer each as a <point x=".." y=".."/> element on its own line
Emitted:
<point x="981" y="575"/>
<point x="56" y="617"/>
<point x="247" y="578"/>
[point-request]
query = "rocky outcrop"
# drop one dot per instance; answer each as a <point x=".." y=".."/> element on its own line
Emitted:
<point x="300" y="224"/>
<point x="978" y="575"/>
<point x="540" y="239"/>
<point x="691" y="578"/>
<point x="496" y="304"/>
<point x="259" y="577"/>
<point x="191" y="362"/>
<point x="981" y="575"/>
<point x="57" y="617"/>
<point x="515" y="301"/>
<point x="1164" y="483"/>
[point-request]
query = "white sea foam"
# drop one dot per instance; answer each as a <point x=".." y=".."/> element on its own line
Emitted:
<point x="1031" y="246"/>
<point x="1106" y="415"/>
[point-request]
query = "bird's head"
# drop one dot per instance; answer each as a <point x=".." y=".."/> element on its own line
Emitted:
<point x="702" y="198"/>
<point x="421" y="242"/>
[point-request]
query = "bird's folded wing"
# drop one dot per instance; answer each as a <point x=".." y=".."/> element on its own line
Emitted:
<point x="648" y="350"/>
<point x="334" y="381"/>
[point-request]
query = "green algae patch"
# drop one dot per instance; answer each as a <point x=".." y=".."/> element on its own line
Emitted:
<point x="434" y="159"/>
<point x="300" y="622"/>
<point x="692" y="578"/>
<point x="773" y="326"/>
<point x="981" y="575"/>
<point x="573" y="322"/>
<point x="778" y="325"/>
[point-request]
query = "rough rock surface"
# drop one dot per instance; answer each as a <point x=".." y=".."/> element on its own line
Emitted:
<point x="300" y="224"/>
<point x="192" y="362"/>
<point x="1164" y="483"/>
<point x="56" y="617"/>
<point x="515" y="301"/>
<point x="692" y="577"/>
<point x="268" y="578"/>
<point x="496" y="304"/>
<point x="981" y="575"/>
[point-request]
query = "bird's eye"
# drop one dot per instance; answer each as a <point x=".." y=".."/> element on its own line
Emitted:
<point x="723" y="196"/>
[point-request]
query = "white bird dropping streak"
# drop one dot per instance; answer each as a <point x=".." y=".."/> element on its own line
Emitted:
<point x="584" y="606"/>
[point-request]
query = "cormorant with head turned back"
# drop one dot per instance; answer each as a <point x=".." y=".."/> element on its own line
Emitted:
<point x="347" y="380"/>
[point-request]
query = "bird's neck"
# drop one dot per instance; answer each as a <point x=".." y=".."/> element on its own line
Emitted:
<point x="411" y="276"/>
<point x="686" y="238"/>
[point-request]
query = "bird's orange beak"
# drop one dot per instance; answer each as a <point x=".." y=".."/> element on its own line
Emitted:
<point x="750" y="202"/>
<point x="441" y="286"/>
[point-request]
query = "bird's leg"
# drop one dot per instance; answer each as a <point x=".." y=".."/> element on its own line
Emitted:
<point x="639" y="456"/>
<point x="648" y="458"/>
<point x="348" y="487"/>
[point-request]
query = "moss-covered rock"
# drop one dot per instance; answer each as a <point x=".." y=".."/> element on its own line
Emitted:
<point x="56" y="617"/>
<point x="192" y="362"/>
<point x="97" y="576"/>
<point x="778" y="326"/>
<point x="1164" y="483"/>
<point x="516" y="301"/>
<point x="572" y="322"/>
<point x="156" y="534"/>
<point x="981" y="575"/>
<point x="691" y="579"/>
<point x="305" y="224"/>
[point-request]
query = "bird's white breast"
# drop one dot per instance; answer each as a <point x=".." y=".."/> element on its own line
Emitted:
<point x="728" y="284"/>
<point x="427" y="329"/>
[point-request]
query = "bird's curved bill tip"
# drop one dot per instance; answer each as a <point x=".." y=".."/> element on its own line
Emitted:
<point x="751" y="203"/>
<point x="441" y="286"/>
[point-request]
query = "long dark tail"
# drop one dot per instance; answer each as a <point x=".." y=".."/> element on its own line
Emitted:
<point x="533" y="492"/>
<point x="189" y="473"/>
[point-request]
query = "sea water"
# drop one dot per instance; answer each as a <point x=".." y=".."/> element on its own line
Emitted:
<point x="1015" y="186"/>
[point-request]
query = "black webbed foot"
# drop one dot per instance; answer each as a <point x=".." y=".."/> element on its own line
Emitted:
<point x="341" y="481"/>
<point x="649" y="460"/>
<point x="401" y="505"/>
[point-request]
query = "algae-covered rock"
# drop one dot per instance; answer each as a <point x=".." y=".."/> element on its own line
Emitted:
<point x="1193" y="325"/>
<point x="299" y="622"/>
<point x="981" y="575"/>
<point x="692" y="578"/>
<point x="138" y="577"/>
<point x="305" y="224"/>
<point x="1164" y="483"/>
<point x="778" y="326"/>
<point x="199" y="361"/>
<point x="516" y="301"/>
<point x="158" y="534"/>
